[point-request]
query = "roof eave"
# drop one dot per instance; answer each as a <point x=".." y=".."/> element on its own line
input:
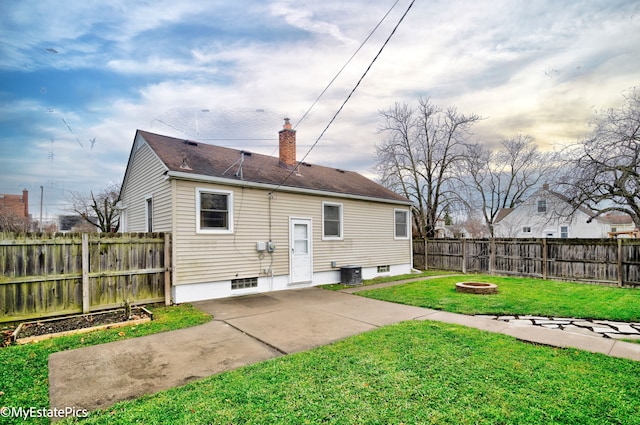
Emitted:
<point x="244" y="183"/>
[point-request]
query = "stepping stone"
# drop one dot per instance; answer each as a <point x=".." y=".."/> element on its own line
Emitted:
<point x="551" y="322"/>
<point x="521" y="322"/>
<point x="602" y="330"/>
<point x="626" y="329"/>
<point x="579" y="330"/>
<point x="583" y="323"/>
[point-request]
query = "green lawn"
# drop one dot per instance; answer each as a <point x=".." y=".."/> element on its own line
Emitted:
<point x="24" y="370"/>
<point x="518" y="296"/>
<point x="412" y="372"/>
<point x="383" y="279"/>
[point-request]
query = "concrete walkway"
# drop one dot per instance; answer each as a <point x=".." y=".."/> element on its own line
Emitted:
<point x="254" y="328"/>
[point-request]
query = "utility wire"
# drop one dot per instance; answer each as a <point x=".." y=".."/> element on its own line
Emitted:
<point x="348" y="97"/>
<point x="347" y="63"/>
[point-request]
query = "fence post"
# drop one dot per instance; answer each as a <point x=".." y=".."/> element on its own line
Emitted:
<point x="168" y="262"/>
<point x="464" y="255"/>
<point x="86" y="307"/>
<point x="620" y="268"/>
<point x="544" y="258"/>
<point x="426" y="257"/>
<point x="492" y="256"/>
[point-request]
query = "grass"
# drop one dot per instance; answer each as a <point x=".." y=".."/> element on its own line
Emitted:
<point x="412" y="372"/>
<point x="24" y="368"/>
<point x="384" y="279"/>
<point x="518" y="296"/>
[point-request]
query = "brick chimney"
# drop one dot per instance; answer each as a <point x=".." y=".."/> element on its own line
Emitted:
<point x="25" y="200"/>
<point x="287" y="145"/>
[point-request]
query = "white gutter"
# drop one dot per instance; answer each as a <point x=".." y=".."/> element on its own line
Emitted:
<point x="242" y="183"/>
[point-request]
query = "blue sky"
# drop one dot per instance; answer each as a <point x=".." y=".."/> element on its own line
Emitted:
<point x="78" y="78"/>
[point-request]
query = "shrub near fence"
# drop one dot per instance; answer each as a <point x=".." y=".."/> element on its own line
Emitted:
<point x="44" y="275"/>
<point x="604" y="261"/>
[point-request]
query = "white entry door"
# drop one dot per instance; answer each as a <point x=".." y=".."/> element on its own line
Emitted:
<point x="300" y="260"/>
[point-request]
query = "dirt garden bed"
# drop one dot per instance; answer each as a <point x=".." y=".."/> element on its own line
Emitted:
<point x="39" y="330"/>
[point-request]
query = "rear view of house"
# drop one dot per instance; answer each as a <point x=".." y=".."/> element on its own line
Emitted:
<point x="243" y="222"/>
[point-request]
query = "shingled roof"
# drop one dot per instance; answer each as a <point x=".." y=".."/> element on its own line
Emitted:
<point x="190" y="158"/>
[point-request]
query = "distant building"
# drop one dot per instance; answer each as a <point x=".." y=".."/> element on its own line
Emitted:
<point x="75" y="223"/>
<point x="15" y="205"/>
<point x="548" y="214"/>
<point x="14" y="212"/>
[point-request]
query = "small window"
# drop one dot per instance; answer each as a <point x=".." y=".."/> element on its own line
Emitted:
<point x="247" y="282"/>
<point x="401" y="224"/>
<point x="148" y="211"/>
<point x="526" y="229"/>
<point x="542" y="205"/>
<point x="564" y="232"/>
<point x="214" y="210"/>
<point x="331" y="221"/>
<point x="384" y="269"/>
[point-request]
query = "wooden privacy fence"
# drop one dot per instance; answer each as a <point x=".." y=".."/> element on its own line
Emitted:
<point x="604" y="261"/>
<point x="44" y="275"/>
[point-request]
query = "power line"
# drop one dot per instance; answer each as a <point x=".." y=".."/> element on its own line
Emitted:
<point x="348" y="97"/>
<point x="347" y="63"/>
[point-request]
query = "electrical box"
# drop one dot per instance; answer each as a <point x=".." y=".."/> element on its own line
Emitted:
<point x="261" y="246"/>
<point x="271" y="246"/>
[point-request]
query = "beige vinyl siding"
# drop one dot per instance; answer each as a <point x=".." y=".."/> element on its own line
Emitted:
<point x="146" y="179"/>
<point x="368" y="238"/>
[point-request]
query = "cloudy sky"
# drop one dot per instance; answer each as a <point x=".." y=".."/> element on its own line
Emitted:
<point x="78" y="78"/>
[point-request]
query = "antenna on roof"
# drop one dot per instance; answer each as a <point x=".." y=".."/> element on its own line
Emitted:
<point x="240" y="163"/>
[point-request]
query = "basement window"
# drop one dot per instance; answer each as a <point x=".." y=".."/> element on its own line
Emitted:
<point x="384" y="269"/>
<point x="247" y="282"/>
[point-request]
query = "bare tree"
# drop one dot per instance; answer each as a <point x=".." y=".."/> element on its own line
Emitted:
<point x="603" y="173"/>
<point x="419" y="156"/>
<point x="99" y="209"/>
<point x="501" y="178"/>
<point x="11" y="222"/>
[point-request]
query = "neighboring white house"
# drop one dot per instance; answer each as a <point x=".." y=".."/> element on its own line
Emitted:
<point x="242" y="222"/>
<point x="547" y="214"/>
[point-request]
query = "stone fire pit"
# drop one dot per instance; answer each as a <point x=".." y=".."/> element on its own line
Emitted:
<point x="477" y="288"/>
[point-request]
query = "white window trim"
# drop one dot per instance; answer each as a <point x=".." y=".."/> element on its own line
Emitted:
<point x="229" y="193"/>
<point x="538" y="205"/>
<point x="407" y="231"/>
<point x="334" y="238"/>
<point x="146" y="213"/>
<point x="124" y="225"/>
